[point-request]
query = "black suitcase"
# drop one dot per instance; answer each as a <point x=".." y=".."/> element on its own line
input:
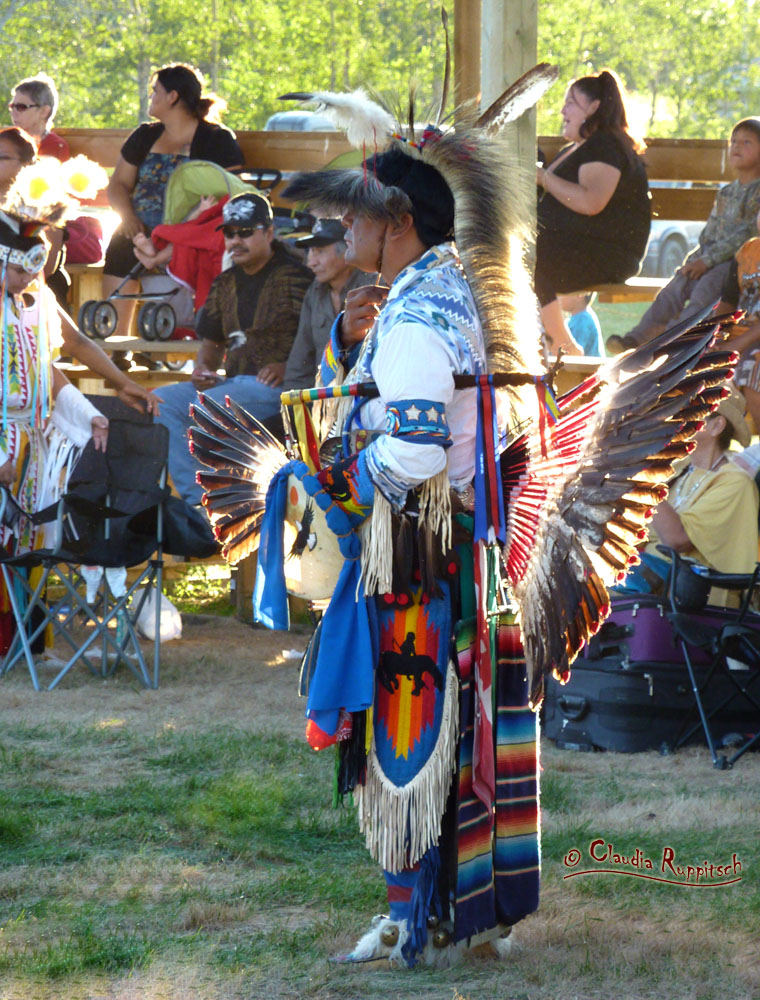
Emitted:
<point x="642" y="706"/>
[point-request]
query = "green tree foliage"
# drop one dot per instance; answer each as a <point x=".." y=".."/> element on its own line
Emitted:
<point x="692" y="68"/>
<point x="101" y="52"/>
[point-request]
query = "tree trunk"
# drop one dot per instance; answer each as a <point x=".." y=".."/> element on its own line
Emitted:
<point x="143" y="81"/>
<point x="214" y="47"/>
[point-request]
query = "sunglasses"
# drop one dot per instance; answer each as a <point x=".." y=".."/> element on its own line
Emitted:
<point x="17" y="106"/>
<point x="230" y="232"/>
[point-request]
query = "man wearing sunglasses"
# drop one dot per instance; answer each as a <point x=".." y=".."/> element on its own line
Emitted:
<point x="33" y="107"/>
<point x="248" y="323"/>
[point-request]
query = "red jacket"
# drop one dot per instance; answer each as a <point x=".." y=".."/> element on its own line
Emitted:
<point x="198" y="250"/>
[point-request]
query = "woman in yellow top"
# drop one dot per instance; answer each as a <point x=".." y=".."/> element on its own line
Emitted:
<point x="711" y="514"/>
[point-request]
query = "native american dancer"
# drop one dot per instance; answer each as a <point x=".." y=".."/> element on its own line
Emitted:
<point x="478" y="521"/>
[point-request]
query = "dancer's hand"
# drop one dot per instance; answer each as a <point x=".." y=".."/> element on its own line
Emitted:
<point x="8" y="473"/>
<point x="99" y="426"/>
<point x="362" y="308"/>
<point x="138" y="397"/>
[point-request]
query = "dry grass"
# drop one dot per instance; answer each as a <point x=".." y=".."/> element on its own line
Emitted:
<point x="219" y="919"/>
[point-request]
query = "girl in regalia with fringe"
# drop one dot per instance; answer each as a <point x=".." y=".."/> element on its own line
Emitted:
<point x="44" y="420"/>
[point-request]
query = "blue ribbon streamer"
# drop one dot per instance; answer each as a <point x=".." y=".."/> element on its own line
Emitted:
<point x="486" y="471"/>
<point x="343" y="674"/>
<point x="270" y="599"/>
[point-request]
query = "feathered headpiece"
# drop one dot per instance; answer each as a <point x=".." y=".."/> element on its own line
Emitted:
<point x="39" y="197"/>
<point x="464" y="180"/>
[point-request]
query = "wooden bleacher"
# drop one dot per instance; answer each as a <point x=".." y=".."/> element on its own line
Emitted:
<point x="284" y="151"/>
<point x="697" y="161"/>
<point x="700" y="163"/>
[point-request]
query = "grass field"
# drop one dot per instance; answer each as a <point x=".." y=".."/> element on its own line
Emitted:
<point x="181" y="844"/>
<point x="618" y="318"/>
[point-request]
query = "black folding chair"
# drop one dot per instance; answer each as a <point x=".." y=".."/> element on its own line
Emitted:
<point x="733" y="644"/>
<point x="101" y="521"/>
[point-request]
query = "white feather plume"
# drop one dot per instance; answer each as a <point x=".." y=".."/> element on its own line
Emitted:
<point x="365" y="121"/>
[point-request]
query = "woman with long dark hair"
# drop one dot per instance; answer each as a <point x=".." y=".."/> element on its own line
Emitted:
<point x="593" y="210"/>
<point x="187" y="128"/>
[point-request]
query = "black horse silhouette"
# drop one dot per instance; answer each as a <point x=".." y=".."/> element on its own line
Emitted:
<point x="407" y="663"/>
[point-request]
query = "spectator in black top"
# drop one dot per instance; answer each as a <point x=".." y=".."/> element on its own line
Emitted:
<point x="594" y="207"/>
<point x="187" y="128"/>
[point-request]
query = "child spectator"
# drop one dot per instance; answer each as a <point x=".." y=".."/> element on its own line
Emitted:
<point x="583" y="323"/>
<point x="699" y="280"/>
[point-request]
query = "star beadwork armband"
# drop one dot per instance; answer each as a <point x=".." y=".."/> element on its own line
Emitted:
<point x="419" y="421"/>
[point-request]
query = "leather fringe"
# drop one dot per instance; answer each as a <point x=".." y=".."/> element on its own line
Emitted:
<point x="435" y="508"/>
<point x="377" y="548"/>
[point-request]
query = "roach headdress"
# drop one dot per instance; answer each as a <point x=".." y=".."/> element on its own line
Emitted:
<point x="463" y="182"/>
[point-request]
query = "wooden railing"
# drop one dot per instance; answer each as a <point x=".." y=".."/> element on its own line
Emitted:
<point x="284" y="151"/>
<point x="699" y="164"/>
<point x="702" y="162"/>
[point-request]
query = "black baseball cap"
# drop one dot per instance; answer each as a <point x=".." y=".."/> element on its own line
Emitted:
<point x="324" y="232"/>
<point x="246" y="210"/>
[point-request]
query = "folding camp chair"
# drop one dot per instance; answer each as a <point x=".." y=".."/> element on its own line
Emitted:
<point x="96" y="523"/>
<point x="732" y="643"/>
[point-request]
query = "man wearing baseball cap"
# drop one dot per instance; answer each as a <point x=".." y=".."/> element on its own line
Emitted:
<point x="334" y="277"/>
<point x="324" y="300"/>
<point x="248" y="322"/>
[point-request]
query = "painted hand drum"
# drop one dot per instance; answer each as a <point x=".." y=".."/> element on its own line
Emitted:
<point x="313" y="560"/>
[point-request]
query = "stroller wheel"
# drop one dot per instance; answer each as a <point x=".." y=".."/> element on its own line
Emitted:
<point x="164" y="321"/>
<point x="84" y="317"/>
<point x="146" y="324"/>
<point x="105" y="319"/>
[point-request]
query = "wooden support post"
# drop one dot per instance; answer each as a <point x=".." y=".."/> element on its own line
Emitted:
<point x="467" y="52"/>
<point x="245" y="578"/>
<point x="509" y="43"/>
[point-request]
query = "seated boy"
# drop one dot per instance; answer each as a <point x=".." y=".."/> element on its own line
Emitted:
<point x="699" y="281"/>
<point x="583" y="323"/>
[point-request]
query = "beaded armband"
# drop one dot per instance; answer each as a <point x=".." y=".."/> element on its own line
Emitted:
<point x="419" y="421"/>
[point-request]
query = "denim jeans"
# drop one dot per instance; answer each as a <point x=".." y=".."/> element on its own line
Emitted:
<point x="680" y="298"/>
<point x="637" y="583"/>
<point x="262" y="401"/>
